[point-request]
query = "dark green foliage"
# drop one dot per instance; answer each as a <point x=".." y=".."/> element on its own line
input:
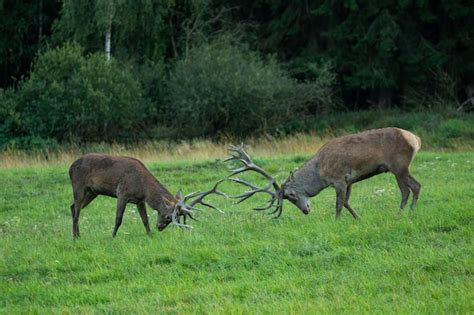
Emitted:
<point x="69" y="96"/>
<point x="379" y="48"/>
<point x="9" y="119"/>
<point x="437" y="129"/>
<point x="138" y="28"/>
<point x="187" y="82"/>
<point x="24" y="25"/>
<point x="225" y="88"/>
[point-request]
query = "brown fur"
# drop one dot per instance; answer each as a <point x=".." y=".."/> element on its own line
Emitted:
<point x="364" y="153"/>
<point x="124" y="178"/>
<point x="352" y="158"/>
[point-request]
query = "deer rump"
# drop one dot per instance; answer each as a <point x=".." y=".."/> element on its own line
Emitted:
<point x="360" y="156"/>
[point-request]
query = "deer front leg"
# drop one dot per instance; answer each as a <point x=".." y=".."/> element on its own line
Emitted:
<point x="340" y="198"/>
<point x="346" y="202"/>
<point x="81" y="200"/>
<point x="121" y="204"/>
<point x="142" y="210"/>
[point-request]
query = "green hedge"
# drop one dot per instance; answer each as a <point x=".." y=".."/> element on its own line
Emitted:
<point x="223" y="88"/>
<point x="70" y="96"/>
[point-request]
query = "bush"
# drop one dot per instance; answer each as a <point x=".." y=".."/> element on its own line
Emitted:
<point x="72" y="96"/>
<point x="223" y="88"/>
<point x="9" y="119"/>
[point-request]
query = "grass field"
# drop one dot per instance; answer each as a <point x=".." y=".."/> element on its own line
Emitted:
<point x="242" y="261"/>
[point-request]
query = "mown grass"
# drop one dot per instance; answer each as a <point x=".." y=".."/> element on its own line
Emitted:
<point x="242" y="261"/>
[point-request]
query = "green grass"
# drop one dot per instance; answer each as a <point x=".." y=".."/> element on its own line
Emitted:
<point x="242" y="262"/>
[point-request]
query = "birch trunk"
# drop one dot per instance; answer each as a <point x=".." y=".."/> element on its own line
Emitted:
<point x="108" y="35"/>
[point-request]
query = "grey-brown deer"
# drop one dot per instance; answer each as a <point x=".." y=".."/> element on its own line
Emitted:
<point x="128" y="180"/>
<point x="339" y="163"/>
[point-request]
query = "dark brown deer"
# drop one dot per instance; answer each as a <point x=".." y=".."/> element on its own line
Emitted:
<point x="339" y="163"/>
<point x="128" y="180"/>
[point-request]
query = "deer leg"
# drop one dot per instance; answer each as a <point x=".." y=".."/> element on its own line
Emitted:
<point x="121" y="204"/>
<point x="346" y="202"/>
<point x="142" y="210"/>
<point x="76" y="211"/>
<point x="81" y="200"/>
<point x="340" y="198"/>
<point x="75" y="226"/>
<point x="415" y="187"/>
<point x="402" y="180"/>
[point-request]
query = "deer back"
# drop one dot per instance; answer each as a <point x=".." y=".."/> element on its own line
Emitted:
<point x="113" y="176"/>
<point x="365" y="152"/>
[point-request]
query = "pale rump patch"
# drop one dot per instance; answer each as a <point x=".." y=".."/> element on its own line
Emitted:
<point x="413" y="141"/>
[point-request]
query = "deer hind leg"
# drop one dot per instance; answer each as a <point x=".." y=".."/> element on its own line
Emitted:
<point x="121" y="204"/>
<point x="81" y="200"/>
<point x="346" y="202"/>
<point x="402" y="180"/>
<point x="340" y="198"/>
<point x="415" y="188"/>
<point x="142" y="210"/>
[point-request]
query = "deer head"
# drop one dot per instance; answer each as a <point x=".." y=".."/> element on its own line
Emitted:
<point x="277" y="193"/>
<point x="178" y="208"/>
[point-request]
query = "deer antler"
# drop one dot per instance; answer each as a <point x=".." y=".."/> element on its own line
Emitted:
<point x="201" y="195"/>
<point x="239" y="154"/>
<point x="186" y="210"/>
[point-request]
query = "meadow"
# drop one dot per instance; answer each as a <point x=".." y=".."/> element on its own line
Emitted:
<point x="242" y="261"/>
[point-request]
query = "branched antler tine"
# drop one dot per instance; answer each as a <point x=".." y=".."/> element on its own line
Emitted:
<point x="244" y="196"/>
<point x="270" y="202"/>
<point x="238" y="171"/>
<point x="231" y="157"/>
<point x="189" y="215"/>
<point x="249" y="165"/>
<point x="278" y="210"/>
<point x="201" y="195"/>
<point x="191" y="195"/>
<point x="211" y="206"/>
<point x="243" y="182"/>
<point x="175" y="221"/>
<point x="254" y="190"/>
<point x="194" y="209"/>
<point x="246" y="183"/>
<point x="239" y="154"/>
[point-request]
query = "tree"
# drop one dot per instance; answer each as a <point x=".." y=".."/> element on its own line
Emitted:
<point x="131" y="29"/>
<point x="23" y="26"/>
<point x="72" y="96"/>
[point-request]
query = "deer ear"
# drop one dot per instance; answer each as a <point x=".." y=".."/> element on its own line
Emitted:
<point x="179" y="195"/>
<point x="170" y="202"/>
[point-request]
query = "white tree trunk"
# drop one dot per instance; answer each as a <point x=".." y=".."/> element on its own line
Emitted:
<point x="108" y="35"/>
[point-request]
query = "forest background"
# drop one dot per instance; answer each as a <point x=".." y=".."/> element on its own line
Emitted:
<point x="121" y="71"/>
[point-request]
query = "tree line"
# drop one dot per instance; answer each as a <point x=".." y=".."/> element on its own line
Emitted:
<point x="120" y="69"/>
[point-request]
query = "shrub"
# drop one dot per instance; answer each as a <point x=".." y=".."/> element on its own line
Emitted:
<point x="8" y="116"/>
<point x="72" y="96"/>
<point x="456" y="128"/>
<point x="223" y="88"/>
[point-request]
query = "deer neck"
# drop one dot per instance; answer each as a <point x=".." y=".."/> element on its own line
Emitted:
<point x="158" y="197"/>
<point x="307" y="180"/>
